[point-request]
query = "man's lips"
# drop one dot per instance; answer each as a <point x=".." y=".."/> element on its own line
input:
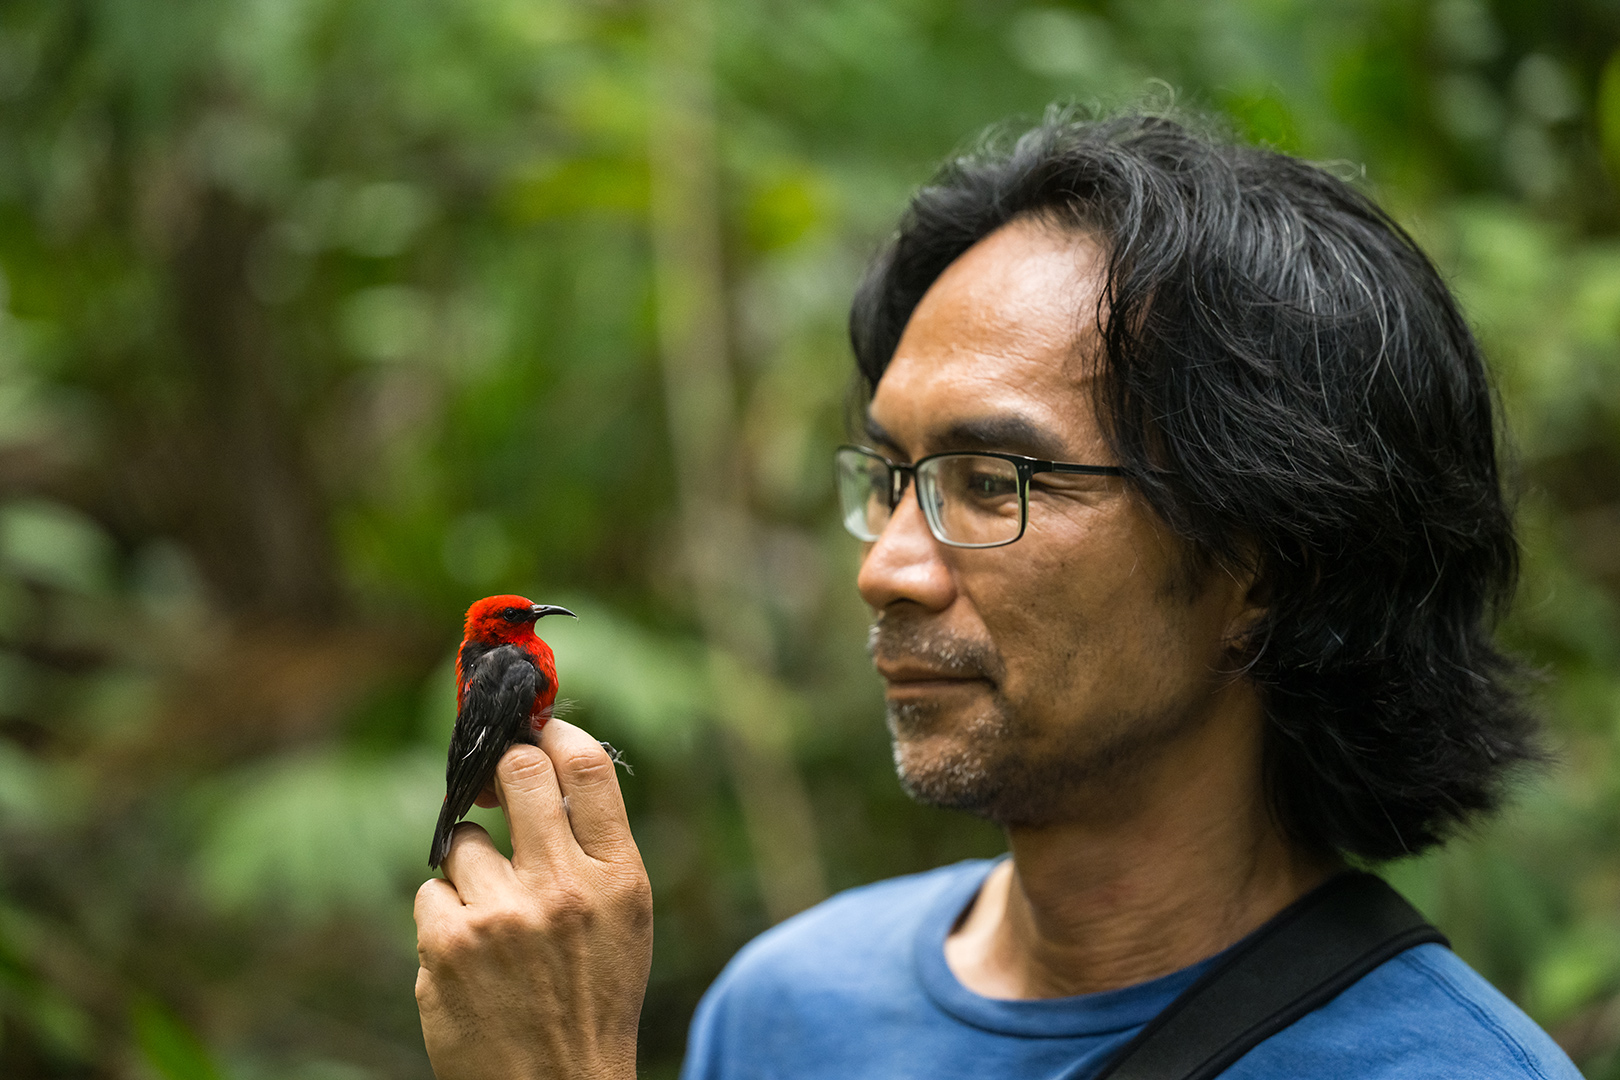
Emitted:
<point x="913" y="678"/>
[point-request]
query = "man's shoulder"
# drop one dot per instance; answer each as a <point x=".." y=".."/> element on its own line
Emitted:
<point x="1423" y="1014"/>
<point x="833" y="991"/>
<point x="846" y="934"/>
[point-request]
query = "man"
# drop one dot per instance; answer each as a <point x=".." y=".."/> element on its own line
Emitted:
<point x="1184" y="536"/>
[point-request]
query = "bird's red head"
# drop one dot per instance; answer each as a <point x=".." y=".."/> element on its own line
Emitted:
<point x="507" y="619"/>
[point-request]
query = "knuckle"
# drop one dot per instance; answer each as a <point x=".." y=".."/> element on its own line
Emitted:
<point x="463" y="831"/>
<point x="639" y="907"/>
<point x="456" y="943"/>
<point x="524" y="765"/>
<point x="432" y="938"/>
<point x="628" y="896"/>
<point x="587" y="764"/>
<point x="424" y="988"/>
<point x="629" y="879"/>
<point x="570" y="908"/>
<point x="498" y="925"/>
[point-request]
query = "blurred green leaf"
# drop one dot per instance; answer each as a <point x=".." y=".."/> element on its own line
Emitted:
<point x="1578" y="969"/>
<point x="1265" y="118"/>
<point x="28" y="786"/>
<point x="54" y="544"/>
<point x="313" y="836"/>
<point x="168" y="1046"/>
<point x="59" y="1022"/>
<point x="783" y="212"/>
<point x="581" y="185"/>
<point x="1608" y="115"/>
<point x="655" y="685"/>
<point x="388" y="322"/>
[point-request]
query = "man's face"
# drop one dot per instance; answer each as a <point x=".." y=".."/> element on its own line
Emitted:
<point x="1027" y="682"/>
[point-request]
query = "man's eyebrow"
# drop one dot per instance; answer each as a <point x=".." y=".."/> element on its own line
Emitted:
<point x="877" y="436"/>
<point x="1009" y="434"/>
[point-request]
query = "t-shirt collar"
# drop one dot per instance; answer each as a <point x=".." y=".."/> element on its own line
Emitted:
<point x="1101" y="1013"/>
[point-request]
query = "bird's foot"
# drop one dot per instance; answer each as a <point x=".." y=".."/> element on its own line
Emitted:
<point x="616" y="757"/>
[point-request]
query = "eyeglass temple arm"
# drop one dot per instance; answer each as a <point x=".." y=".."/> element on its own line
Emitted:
<point x="1066" y="467"/>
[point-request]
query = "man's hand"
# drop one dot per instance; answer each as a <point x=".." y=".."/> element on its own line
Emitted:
<point x="537" y="967"/>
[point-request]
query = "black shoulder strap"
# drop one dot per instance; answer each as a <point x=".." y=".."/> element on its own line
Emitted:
<point x="1300" y="960"/>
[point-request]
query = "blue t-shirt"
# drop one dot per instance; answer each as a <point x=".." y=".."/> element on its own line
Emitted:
<point x="858" y="987"/>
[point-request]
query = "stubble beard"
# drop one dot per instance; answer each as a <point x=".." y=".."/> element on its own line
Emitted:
<point x="996" y="763"/>
<point x="966" y="779"/>
<point x="941" y="760"/>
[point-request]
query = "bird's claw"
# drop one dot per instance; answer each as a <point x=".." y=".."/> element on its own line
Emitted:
<point x="616" y="757"/>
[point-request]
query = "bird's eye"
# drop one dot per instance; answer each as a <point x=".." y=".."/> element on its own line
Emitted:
<point x="510" y="613"/>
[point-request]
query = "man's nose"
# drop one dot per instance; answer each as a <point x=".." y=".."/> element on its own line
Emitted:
<point x="905" y="562"/>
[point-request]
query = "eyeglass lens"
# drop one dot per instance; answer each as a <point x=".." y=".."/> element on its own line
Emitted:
<point x="864" y="484"/>
<point x="969" y="500"/>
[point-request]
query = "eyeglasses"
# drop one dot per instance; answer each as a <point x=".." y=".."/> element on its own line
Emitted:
<point x="978" y="500"/>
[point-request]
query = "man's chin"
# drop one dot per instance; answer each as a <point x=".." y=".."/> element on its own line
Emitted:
<point x="952" y="752"/>
<point x="954" y="774"/>
<point x="979" y="792"/>
<point x="944" y="770"/>
<point x="948" y="788"/>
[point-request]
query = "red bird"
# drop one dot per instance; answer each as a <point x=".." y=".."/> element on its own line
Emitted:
<point x="506" y="686"/>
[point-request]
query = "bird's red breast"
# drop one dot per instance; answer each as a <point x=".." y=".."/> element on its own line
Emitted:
<point x="509" y="619"/>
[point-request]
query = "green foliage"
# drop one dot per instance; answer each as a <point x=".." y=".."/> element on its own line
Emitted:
<point x="170" y="1048"/>
<point x="54" y="545"/>
<point x="311" y="837"/>
<point x="58" y="1023"/>
<point x="319" y="319"/>
<point x="1608" y="114"/>
<point x="653" y="687"/>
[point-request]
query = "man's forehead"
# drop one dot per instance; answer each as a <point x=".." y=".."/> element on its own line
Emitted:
<point x="1029" y="278"/>
<point x="997" y="354"/>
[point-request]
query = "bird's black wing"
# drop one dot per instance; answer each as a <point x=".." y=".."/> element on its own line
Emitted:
<point x="494" y="714"/>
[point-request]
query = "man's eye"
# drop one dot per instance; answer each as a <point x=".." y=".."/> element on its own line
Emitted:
<point x="990" y="485"/>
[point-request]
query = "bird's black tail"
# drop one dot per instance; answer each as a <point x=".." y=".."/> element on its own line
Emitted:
<point x="441" y="835"/>
<point x="494" y="714"/>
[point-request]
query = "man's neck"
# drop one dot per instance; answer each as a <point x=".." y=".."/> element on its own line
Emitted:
<point x="1092" y="904"/>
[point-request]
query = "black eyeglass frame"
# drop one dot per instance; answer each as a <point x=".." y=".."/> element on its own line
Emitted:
<point x="1027" y="467"/>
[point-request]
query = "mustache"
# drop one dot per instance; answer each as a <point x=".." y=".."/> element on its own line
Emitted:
<point x="902" y="636"/>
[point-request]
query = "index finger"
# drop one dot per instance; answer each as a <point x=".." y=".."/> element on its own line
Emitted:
<point x="587" y="777"/>
<point x="526" y="784"/>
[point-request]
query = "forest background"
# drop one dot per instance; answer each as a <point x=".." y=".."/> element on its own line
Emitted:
<point x="321" y="318"/>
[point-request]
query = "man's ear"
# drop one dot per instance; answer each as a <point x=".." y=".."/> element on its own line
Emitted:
<point x="1251" y="605"/>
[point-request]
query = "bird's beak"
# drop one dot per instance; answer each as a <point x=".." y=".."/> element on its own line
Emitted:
<point x="542" y="610"/>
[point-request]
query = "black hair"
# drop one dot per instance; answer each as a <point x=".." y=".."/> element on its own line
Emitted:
<point x="1290" y="385"/>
